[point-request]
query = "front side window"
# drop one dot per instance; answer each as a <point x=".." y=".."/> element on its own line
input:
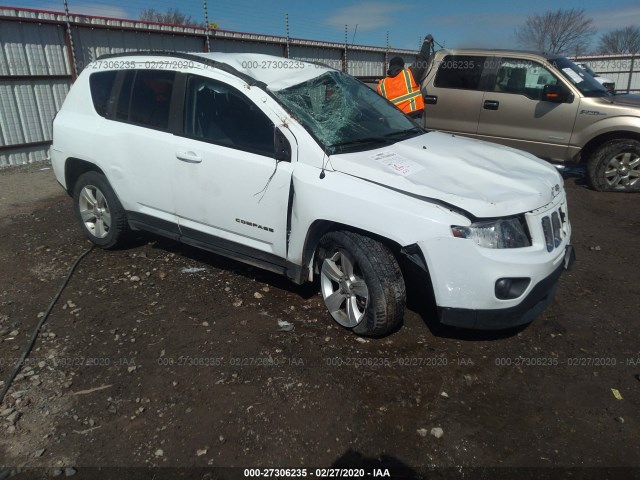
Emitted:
<point x="345" y="115"/>
<point x="145" y="98"/>
<point x="523" y="77"/>
<point x="217" y="113"/>
<point x="460" y="71"/>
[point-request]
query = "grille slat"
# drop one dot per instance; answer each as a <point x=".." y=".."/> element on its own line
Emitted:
<point x="554" y="227"/>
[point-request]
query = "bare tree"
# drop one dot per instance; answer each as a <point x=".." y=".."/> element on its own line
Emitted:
<point x="172" y="16"/>
<point x="559" y="31"/>
<point x="622" y="40"/>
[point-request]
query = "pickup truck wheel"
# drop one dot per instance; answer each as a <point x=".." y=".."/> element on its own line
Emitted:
<point x="101" y="216"/>
<point x="615" y="166"/>
<point x="361" y="283"/>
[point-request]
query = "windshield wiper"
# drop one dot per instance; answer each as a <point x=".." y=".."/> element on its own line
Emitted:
<point x="387" y="138"/>
<point x="402" y="133"/>
<point x="360" y="141"/>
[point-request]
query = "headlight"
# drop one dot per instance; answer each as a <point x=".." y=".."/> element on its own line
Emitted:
<point x="502" y="233"/>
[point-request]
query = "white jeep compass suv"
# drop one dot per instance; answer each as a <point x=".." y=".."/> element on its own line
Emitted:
<point x="305" y="171"/>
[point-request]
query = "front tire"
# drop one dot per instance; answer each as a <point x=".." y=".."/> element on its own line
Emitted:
<point x="615" y="166"/>
<point x="361" y="283"/>
<point x="100" y="213"/>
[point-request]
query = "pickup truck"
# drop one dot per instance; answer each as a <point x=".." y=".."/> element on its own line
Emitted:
<point x="543" y="104"/>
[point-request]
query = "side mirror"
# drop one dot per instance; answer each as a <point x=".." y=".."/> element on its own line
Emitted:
<point x="282" y="146"/>
<point x="556" y="94"/>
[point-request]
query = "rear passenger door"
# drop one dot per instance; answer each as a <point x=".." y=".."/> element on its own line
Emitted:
<point x="230" y="192"/>
<point x="513" y="112"/>
<point x="454" y="97"/>
<point x="134" y="144"/>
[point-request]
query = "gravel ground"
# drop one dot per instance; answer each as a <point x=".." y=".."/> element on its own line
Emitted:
<point x="161" y="355"/>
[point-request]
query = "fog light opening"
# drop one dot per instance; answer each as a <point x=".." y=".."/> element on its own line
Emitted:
<point x="510" y="288"/>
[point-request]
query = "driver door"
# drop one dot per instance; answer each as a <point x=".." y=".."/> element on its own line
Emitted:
<point x="229" y="189"/>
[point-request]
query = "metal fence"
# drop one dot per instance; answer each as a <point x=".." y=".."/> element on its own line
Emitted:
<point x="41" y="54"/>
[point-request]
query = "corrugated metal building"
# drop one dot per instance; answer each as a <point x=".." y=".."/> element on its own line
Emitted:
<point x="35" y="77"/>
<point x="39" y="61"/>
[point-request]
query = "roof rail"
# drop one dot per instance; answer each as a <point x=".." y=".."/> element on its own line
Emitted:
<point x="189" y="56"/>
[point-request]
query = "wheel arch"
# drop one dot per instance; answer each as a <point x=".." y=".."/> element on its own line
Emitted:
<point x="405" y="255"/>
<point x="596" y="142"/>
<point x="73" y="168"/>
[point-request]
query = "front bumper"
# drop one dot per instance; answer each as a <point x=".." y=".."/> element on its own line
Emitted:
<point x="538" y="299"/>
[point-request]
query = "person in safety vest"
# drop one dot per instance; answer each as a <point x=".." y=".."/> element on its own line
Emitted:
<point x="402" y="85"/>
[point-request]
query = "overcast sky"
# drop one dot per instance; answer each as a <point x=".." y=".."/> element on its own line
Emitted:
<point x="455" y="23"/>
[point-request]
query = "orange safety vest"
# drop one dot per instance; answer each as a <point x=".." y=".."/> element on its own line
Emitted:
<point x="403" y="91"/>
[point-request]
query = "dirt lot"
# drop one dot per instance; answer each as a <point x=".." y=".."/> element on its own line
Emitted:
<point x="161" y="355"/>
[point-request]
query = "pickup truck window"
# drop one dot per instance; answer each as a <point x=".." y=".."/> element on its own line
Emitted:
<point x="523" y="77"/>
<point x="460" y="72"/>
<point x="587" y="85"/>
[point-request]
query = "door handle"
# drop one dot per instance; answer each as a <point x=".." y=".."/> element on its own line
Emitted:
<point x="491" y="104"/>
<point x="189" y="157"/>
<point x="430" y="99"/>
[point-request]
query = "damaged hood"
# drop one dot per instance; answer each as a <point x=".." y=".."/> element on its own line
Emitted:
<point x="485" y="179"/>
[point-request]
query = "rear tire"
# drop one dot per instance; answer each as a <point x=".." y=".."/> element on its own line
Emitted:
<point x="615" y="166"/>
<point x="361" y="283"/>
<point x="102" y="218"/>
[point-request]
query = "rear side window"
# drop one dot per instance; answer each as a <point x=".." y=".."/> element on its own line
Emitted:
<point x="460" y="71"/>
<point x="101" y="85"/>
<point x="145" y="98"/>
<point x="217" y="113"/>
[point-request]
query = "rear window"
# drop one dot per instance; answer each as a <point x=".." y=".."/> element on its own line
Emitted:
<point x="460" y="71"/>
<point x="101" y="85"/>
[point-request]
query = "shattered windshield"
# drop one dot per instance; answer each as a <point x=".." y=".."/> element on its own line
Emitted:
<point x="345" y="115"/>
